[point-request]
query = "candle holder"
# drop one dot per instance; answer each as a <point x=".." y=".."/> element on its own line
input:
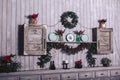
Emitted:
<point x="52" y="65"/>
<point x="78" y="64"/>
<point x="65" y="64"/>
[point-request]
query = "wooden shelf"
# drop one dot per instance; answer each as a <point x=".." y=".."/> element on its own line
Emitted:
<point x="70" y="42"/>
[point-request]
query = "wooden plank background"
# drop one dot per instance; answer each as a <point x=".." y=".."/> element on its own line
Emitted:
<point x="13" y="12"/>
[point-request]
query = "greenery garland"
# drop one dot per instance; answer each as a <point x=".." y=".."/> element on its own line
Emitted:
<point x="70" y="50"/>
<point x="66" y="22"/>
<point x="43" y="59"/>
<point x="90" y="59"/>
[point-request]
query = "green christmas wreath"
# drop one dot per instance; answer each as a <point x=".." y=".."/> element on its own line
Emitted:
<point x="69" y="19"/>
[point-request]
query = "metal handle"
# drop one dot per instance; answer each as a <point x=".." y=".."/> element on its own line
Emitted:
<point x="49" y="78"/>
<point x="98" y="43"/>
<point x="44" y="44"/>
<point x="68" y="76"/>
<point x="116" y="72"/>
<point x="102" y="74"/>
<point x="86" y="75"/>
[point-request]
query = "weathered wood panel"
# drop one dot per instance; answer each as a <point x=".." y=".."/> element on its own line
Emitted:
<point x="1" y="6"/>
<point x="4" y="27"/>
<point x="13" y="12"/>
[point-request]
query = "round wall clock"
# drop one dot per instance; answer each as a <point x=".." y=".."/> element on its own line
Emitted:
<point x="84" y="37"/>
<point x="70" y="37"/>
<point x="53" y="37"/>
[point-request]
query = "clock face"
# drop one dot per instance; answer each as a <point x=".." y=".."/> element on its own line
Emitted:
<point x="84" y="37"/>
<point x="53" y="37"/>
<point x="70" y="37"/>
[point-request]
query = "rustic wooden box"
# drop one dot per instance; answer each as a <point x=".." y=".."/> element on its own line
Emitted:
<point x="104" y="40"/>
<point x="34" y="40"/>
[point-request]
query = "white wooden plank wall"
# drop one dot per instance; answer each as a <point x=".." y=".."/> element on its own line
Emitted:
<point x="1" y="6"/>
<point x="13" y="12"/>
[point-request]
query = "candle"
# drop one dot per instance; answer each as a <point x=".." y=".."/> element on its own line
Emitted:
<point x="65" y="64"/>
<point x="66" y="61"/>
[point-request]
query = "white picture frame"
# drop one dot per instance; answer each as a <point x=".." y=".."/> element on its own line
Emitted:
<point x="34" y="39"/>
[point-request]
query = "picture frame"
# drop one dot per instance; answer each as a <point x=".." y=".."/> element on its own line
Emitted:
<point x="34" y="39"/>
<point x="104" y="40"/>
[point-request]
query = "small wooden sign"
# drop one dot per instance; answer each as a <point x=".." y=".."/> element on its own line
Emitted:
<point x="104" y="40"/>
<point x="34" y="39"/>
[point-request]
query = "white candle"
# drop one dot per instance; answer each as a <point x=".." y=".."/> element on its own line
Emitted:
<point x="66" y="61"/>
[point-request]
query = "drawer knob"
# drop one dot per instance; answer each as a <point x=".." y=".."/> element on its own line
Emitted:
<point x="68" y="76"/>
<point x="116" y="72"/>
<point x="49" y="78"/>
<point x="86" y="75"/>
<point x="102" y="74"/>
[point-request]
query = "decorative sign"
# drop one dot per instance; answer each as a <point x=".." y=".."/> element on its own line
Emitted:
<point x="104" y="39"/>
<point x="34" y="40"/>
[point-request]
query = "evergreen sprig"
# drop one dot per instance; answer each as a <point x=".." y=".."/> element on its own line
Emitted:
<point x="43" y="59"/>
